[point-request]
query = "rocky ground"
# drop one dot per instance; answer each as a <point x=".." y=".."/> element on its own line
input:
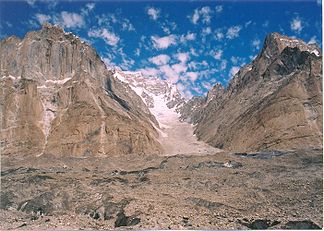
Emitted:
<point x="276" y="190"/>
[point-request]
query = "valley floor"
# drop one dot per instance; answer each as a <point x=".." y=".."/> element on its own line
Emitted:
<point x="221" y="191"/>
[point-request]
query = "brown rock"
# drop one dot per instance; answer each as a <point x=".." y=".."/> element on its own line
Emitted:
<point x="273" y="103"/>
<point x="58" y="98"/>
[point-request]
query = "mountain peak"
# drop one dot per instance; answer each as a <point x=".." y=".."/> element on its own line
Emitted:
<point x="55" y="27"/>
<point x="52" y="32"/>
<point x="275" y="43"/>
<point x="53" y="80"/>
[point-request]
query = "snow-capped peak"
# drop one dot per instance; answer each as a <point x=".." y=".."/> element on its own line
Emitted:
<point x="150" y="87"/>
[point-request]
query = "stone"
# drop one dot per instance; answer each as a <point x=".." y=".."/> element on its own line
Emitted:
<point x="306" y="224"/>
<point x="123" y="220"/>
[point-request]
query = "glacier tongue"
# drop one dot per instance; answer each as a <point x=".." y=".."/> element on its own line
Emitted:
<point x="163" y="99"/>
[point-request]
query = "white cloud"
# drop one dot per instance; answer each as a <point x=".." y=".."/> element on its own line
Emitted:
<point x="204" y="14"/>
<point x="126" y="25"/>
<point x="256" y="43"/>
<point x="204" y="63"/>
<point x="236" y="60"/>
<point x="150" y="72"/>
<point x="111" y="21"/>
<point x="70" y="20"/>
<point x="171" y="74"/>
<point x="233" y="32"/>
<point x="110" y="38"/>
<point x="219" y="9"/>
<point x="195" y="17"/>
<point x="296" y="25"/>
<point x="312" y="40"/>
<point x="191" y="36"/>
<point x="168" y="26"/>
<point x="207" y="85"/>
<point x="219" y="35"/>
<point x="50" y="4"/>
<point x="90" y="6"/>
<point x="218" y="54"/>
<point x="166" y="29"/>
<point x="192" y="76"/>
<point x="223" y="65"/>
<point x="160" y="59"/>
<point x="252" y="57"/>
<point x="154" y="13"/>
<point x="208" y="72"/>
<point x="163" y="42"/>
<point x="188" y="37"/>
<point x="137" y="52"/>
<point x="234" y="70"/>
<point x="198" y="89"/>
<point x="183" y="57"/>
<point x="108" y="62"/>
<point x="41" y="18"/>
<point x="127" y="63"/>
<point x="193" y="51"/>
<point x="265" y="24"/>
<point x="197" y="65"/>
<point x="179" y="67"/>
<point x="8" y="24"/>
<point x="248" y="23"/>
<point x="206" y="31"/>
<point x="181" y="87"/>
<point x="31" y="2"/>
<point x="193" y="65"/>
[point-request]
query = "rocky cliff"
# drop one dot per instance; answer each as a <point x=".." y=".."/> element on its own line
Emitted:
<point x="273" y="103"/>
<point x="58" y="98"/>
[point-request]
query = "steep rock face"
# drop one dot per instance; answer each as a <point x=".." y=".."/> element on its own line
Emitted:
<point x="192" y="110"/>
<point x="273" y="103"/>
<point x="58" y="98"/>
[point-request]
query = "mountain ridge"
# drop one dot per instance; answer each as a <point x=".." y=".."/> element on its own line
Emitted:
<point x="282" y="63"/>
<point x="60" y="74"/>
<point x="60" y="88"/>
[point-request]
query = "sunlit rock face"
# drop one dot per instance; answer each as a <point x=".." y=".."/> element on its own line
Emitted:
<point x="273" y="103"/>
<point x="58" y="98"/>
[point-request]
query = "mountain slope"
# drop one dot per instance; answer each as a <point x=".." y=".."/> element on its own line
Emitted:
<point x="164" y="102"/>
<point x="273" y="103"/>
<point x="58" y="98"/>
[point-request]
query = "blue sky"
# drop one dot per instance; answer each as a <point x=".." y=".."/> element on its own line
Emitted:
<point x="193" y="44"/>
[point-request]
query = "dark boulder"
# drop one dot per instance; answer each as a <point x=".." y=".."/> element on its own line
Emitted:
<point x="123" y="220"/>
<point x="306" y="224"/>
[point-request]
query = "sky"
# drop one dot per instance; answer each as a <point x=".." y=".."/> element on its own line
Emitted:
<point x="193" y="44"/>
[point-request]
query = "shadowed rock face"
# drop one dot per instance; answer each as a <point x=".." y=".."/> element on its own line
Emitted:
<point x="58" y="98"/>
<point x="273" y="103"/>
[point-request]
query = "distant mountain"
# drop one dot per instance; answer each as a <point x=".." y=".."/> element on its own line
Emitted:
<point x="273" y="103"/>
<point x="165" y="102"/>
<point x="59" y="98"/>
<point x="149" y="87"/>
